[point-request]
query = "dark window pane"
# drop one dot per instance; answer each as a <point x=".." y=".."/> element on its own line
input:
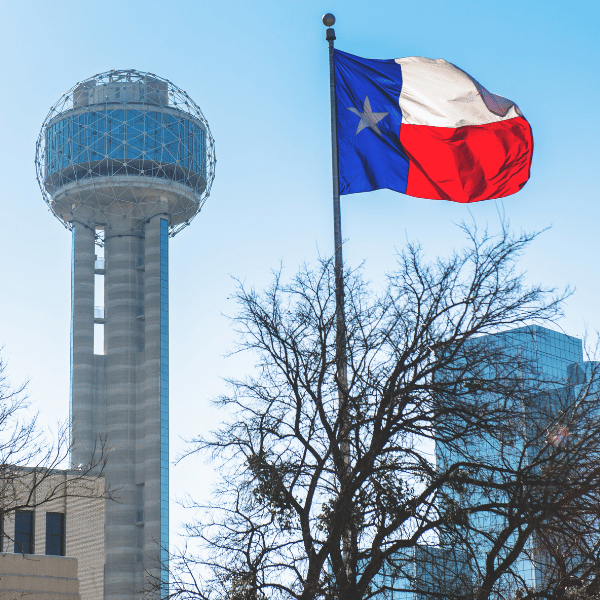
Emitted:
<point x="24" y="532"/>
<point x="55" y="534"/>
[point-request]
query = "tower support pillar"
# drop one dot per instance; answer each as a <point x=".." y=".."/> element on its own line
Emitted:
<point x="124" y="301"/>
<point x="156" y="390"/>
<point x="82" y="344"/>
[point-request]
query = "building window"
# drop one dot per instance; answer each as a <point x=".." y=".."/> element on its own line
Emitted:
<point x="24" y="532"/>
<point x="55" y="534"/>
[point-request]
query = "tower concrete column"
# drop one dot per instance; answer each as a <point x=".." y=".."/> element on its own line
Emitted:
<point x="154" y="444"/>
<point x="82" y="344"/>
<point x="124" y="347"/>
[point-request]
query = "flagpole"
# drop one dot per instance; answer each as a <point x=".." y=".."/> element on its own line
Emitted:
<point x="340" y="339"/>
<point x="328" y="20"/>
<point x="340" y="336"/>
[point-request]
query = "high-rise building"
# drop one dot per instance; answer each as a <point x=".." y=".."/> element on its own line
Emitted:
<point x="124" y="160"/>
<point x="554" y="374"/>
<point x="555" y="367"/>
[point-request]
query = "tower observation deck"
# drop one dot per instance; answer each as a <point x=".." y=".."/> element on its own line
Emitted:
<point x="124" y="160"/>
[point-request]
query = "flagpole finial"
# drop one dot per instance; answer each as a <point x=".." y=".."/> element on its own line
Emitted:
<point x="328" y="20"/>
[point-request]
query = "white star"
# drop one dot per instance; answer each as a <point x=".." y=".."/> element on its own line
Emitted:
<point x="368" y="119"/>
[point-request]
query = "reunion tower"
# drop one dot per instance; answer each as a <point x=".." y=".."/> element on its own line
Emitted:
<point x="125" y="160"/>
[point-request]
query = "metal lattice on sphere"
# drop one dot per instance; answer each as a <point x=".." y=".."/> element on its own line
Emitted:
<point x="121" y="147"/>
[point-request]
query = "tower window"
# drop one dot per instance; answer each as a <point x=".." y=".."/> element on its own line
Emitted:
<point x="55" y="534"/>
<point x="24" y="532"/>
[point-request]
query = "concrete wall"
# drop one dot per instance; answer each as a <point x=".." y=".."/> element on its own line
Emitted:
<point x="38" y="578"/>
<point x="78" y="498"/>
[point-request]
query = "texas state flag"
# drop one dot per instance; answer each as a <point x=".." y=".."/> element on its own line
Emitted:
<point x="427" y="129"/>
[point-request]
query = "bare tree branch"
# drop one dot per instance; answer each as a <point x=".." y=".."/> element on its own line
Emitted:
<point x="428" y="373"/>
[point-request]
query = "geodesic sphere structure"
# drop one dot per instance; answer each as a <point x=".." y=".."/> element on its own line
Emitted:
<point x="121" y="147"/>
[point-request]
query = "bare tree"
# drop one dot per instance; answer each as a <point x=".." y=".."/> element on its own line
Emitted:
<point x="29" y="459"/>
<point x="428" y="373"/>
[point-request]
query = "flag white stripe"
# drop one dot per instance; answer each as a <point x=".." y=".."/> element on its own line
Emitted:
<point x="439" y="94"/>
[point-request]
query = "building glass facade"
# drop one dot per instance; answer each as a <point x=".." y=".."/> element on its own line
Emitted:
<point x="550" y="356"/>
<point x="550" y="352"/>
<point x="556" y="359"/>
<point x="164" y="401"/>
<point x="423" y="573"/>
<point x="124" y="142"/>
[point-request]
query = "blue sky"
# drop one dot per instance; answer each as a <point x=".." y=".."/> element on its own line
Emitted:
<point x="259" y="71"/>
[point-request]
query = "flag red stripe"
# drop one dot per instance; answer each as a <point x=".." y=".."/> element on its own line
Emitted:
<point x="468" y="164"/>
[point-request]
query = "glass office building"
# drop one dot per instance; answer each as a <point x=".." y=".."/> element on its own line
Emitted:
<point x="551" y="358"/>
<point x="554" y="361"/>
